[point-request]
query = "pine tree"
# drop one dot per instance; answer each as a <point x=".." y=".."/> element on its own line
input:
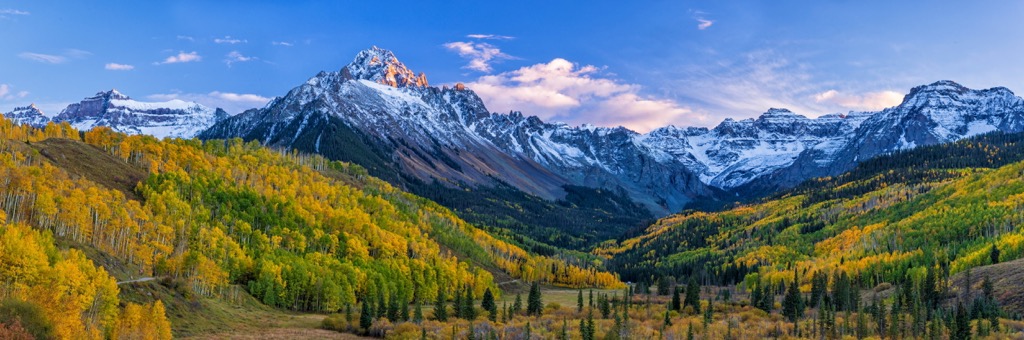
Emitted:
<point x="517" y="306"/>
<point x="404" y="308"/>
<point x="564" y="334"/>
<point x="457" y="304"/>
<point x="604" y="305"/>
<point x="676" y="303"/>
<point x="591" y="299"/>
<point x="819" y="282"/>
<point x="693" y="295"/>
<point x="587" y="331"/>
<point x="366" y="316"/>
<point x="689" y="331"/>
<point x="417" y="313"/>
<point x="393" y="310"/>
<point x="793" y="302"/>
<point x="709" y="313"/>
<point x="487" y="303"/>
<point x="441" y="306"/>
<point x="534" y="305"/>
<point x="667" y="321"/>
<point x="468" y="306"/>
<point x="579" y="301"/>
<point x="961" y="329"/>
<point x="382" y="306"/>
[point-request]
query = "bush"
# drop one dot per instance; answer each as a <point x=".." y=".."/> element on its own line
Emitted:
<point x="336" y="322"/>
<point x="29" y="315"/>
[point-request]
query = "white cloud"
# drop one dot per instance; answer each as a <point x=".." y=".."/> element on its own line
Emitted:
<point x="185" y="37"/>
<point x="8" y="11"/>
<point x="229" y="101"/>
<point x="118" y="67"/>
<point x="181" y="57"/>
<point x="236" y="57"/>
<point x="6" y="93"/>
<point x="870" y="101"/>
<point x="282" y="43"/>
<point x="490" y="36"/>
<point x="703" y="24"/>
<point x="563" y="91"/>
<point x="480" y="55"/>
<point x="229" y="40"/>
<point x="43" y="58"/>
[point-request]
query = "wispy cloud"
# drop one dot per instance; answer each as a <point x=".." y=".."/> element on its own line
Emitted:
<point x="229" y="101"/>
<point x="237" y="57"/>
<point x="229" y="40"/>
<point x="869" y="101"/>
<point x="490" y="36"/>
<point x="43" y="58"/>
<point x="703" y="24"/>
<point x="282" y="43"/>
<point x="564" y="91"/>
<point x="185" y="37"/>
<point x="6" y="93"/>
<point x="480" y="54"/>
<point x="8" y="11"/>
<point x="118" y="67"/>
<point x="181" y="57"/>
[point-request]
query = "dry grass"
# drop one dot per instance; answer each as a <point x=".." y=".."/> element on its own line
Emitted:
<point x="80" y="159"/>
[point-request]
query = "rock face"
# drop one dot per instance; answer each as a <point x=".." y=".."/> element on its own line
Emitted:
<point x="30" y="115"/>
<point x="378" y="113"/>
<point x="174" y="118"/>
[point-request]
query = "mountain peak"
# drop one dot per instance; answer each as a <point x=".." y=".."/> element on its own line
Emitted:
<point x="111" y="94"/>
<point x="381" y="66"/>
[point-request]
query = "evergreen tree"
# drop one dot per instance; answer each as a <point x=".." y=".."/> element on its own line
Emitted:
<point x="591" y="299"/>
<point x="403" y="309"/>
<point x="381" y="305"/>
<point x="709" y="313"/>
<point x="517" y="306"/>
<point x="457" y="304"/>
<point x="417" y="313"/>
<point x="755" y="295"/>
<point x="693" y="295"/>
<point x="667" y="321"/>
<point x="819" y="286"/>
<point x="862" y="324"/>
<point x="689" y="331"/>
<point x="366" y="316"/>
<point x="676" y="304"/>
<point x="504" y="312"/>
<point x="564" y="334"/>
<point x="961" y="329"/>
<point x="588" y="331"/>
<point x="393" y="309"/>
<point x="441" y="306"/>
<point x="579" y="301"/>
<point x="487" y="303"/>
<point x="604" y="305"/>
<point x="468" y="306"/>
<point x="534" y="305"/>
<point x="583" y="329"/>
<point x="793" y="302"/>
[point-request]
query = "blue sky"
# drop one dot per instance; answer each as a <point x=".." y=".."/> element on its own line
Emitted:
<point x="637" y="64"/>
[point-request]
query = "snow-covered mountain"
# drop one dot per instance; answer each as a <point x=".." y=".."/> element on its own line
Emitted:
<point x="378" y="113"/>
<point x="174" y="118"/>
<point x="30" y="115"/>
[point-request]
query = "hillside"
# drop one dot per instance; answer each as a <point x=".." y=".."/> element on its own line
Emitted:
<point x="891" y="218"/>
<point x="295" y="231"/>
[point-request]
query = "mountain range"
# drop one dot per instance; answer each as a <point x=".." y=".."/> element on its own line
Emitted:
<point x="173" y="118"/>
<point x="378" y="113"/>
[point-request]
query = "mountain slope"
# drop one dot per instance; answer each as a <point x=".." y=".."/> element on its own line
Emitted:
<point x="30" y="115"/>
<point x="942" y="205"/>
